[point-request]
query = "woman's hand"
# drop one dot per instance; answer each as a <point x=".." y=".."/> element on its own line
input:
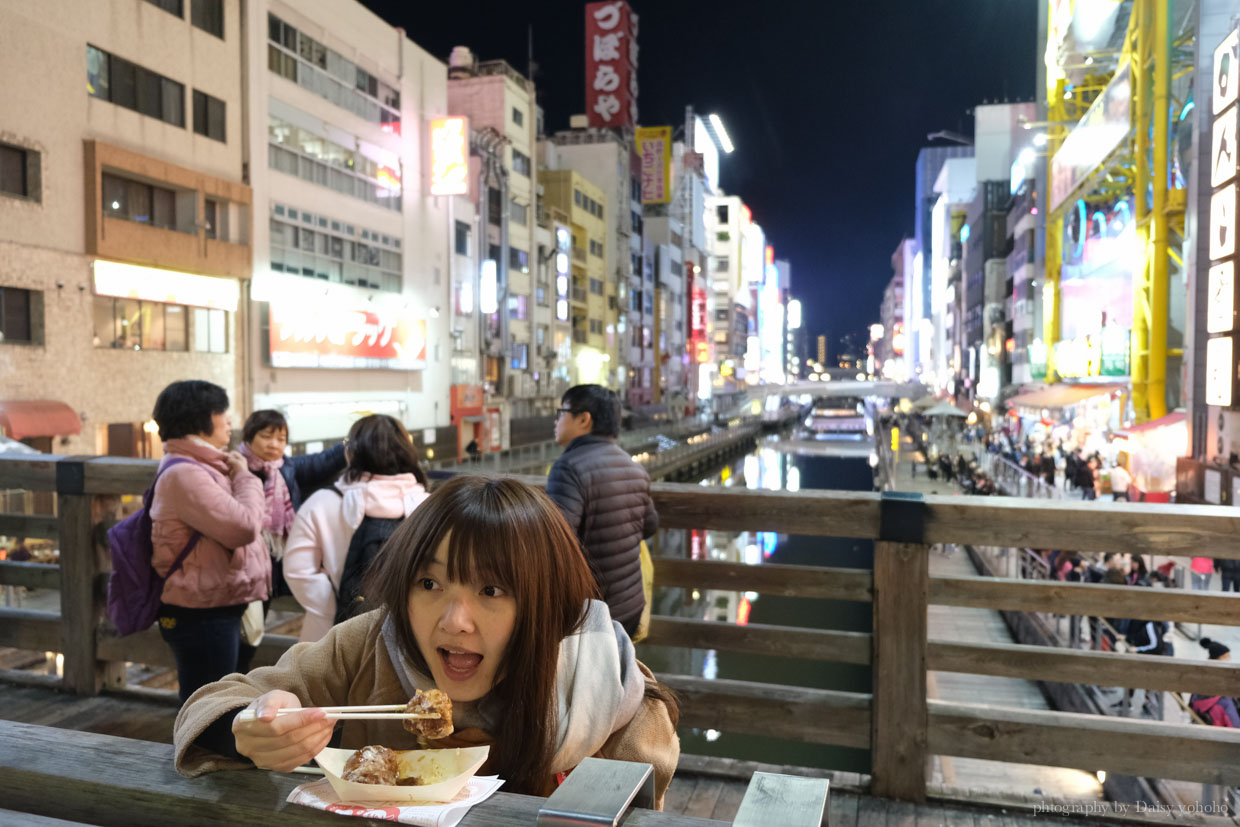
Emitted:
<point x="236" y="464"/>
<point x="285" y="742"/>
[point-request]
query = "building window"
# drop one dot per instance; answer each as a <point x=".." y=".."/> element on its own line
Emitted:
<point x="129" y="324"/>
<point x="519" y="213"/>
<point x="521" y="163"/>
<point x="330" y="75"/>
<point x="596" y="248"/>
<point x="596" y="286"/>
<point x="126" y="84"/>
<point x="518" y="308"/>
<point x="721" y="213"/>
<point x="208" y="116"/>
<point x="518" y="117"/>
<point x="333" y="255"/>
<point x="170" y="6"/>
<point x="540" y="295"/>
<point x="208" y="15"/>
<point x="312" y="158"/>
<point x="721" y="264"/>
<point x="15" y="315"/>
<point x="20" y="172"/>
<point x="520" y="357"/>
<point x="210" y="216"/>
<point x="210" y="330"/>
<point x="577" y="197"/>
<point x="462" y="238"/>
<point x="518" y="260"/>
<point x="135" y="201"/>
<point x="495" y="213"/>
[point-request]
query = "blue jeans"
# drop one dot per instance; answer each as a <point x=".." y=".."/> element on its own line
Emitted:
<point x="206" y="644"/>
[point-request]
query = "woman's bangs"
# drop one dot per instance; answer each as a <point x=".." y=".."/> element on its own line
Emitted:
<point x="480" y="551"/>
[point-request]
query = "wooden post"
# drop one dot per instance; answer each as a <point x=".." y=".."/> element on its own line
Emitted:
<point x="900" y="719"/>
<point x="77" y="594"/>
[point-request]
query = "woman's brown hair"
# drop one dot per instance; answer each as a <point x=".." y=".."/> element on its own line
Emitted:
<point x="379" y="444"/>
<point x="506" y="533"/>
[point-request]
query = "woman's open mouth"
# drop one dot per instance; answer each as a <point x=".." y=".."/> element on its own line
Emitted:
<point x="459" y="664"/>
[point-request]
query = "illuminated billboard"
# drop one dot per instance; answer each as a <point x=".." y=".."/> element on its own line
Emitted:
<point x="1104" y="127"/>
<point x="450" y="156"/>
<point x="611" y="64"/>
<point x="654" y="148"/>
<point x="322" y="334"/>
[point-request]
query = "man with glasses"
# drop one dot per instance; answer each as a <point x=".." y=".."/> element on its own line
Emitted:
<point x="605" y="496"/>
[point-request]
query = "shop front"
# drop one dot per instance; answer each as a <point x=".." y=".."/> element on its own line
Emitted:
<point x="1077" y="415"/>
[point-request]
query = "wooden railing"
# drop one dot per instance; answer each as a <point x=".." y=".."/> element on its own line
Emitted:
<point x="897" y="722"/>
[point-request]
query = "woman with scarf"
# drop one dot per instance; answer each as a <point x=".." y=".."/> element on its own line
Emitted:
<point x="214" y="506"/>
<point x="287" y="481"/>
<point x="485" y="595"/>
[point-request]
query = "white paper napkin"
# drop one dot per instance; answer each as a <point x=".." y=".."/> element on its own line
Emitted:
<point x="320" y="795"/>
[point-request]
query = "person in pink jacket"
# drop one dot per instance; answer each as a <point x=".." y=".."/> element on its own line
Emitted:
<point x="382" y="479"/>
<point x="218" y="504"/>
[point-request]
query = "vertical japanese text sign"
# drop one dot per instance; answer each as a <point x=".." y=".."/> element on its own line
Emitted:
<point x="1221" y="297"/>
<point x="654" y="147"/>
<point x="611" y="64"/>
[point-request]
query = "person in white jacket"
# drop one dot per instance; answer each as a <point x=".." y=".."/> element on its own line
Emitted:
<point x="383" y="479"/>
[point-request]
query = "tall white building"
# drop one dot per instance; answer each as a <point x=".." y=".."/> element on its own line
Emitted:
<point x="351" y="263"/>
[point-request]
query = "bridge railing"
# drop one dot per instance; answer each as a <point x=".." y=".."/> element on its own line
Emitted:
<point x="896" y="721"/>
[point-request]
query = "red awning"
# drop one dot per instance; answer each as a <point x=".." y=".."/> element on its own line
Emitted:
<point x="38" y="417"/>
<point x="1060" y="396"/>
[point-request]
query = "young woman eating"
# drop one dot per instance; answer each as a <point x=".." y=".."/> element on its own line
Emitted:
<point x="486" y="596"/>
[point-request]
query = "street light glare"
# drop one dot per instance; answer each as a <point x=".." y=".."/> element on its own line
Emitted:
<point x="725" y="142"/>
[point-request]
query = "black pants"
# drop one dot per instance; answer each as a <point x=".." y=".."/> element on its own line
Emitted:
<point x="206" y="644"/>
<point x="1231" y="582"/>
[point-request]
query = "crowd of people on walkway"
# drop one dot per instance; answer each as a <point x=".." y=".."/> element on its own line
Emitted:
<point x="521" y="605"/>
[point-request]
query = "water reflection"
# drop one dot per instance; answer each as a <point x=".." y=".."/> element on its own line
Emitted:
<point x="774" y="466"/>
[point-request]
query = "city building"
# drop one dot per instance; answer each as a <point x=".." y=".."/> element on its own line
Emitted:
<point x="955" y="188"/>
<point x="494" y="96"/>
<point x="918" y="294"/>
<point x="574" y="196"/>
<point x="605" y="158"/>
<point x="891" y="352"/>
<point x="352" y="267"/>
<point x="138" y="108"/>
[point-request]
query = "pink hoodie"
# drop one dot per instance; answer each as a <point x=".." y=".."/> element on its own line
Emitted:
<point x="319" y="539"/>
<point x="230" y="564"/>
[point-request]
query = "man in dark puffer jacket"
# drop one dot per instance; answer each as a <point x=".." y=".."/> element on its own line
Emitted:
<point x="605" y="496"/>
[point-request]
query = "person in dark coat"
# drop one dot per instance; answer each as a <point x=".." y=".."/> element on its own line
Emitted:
<point x="1230" y="570"/>
<point x="605" y="497"/>
<point x="287" y="481"/>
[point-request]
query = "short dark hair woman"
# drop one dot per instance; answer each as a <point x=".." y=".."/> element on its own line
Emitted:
<point x="208" y="513"/>
<point x="286" y="480"/>
<point x="384" y="480"/>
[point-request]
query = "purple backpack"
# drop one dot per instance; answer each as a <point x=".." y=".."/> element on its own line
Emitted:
<point x="134" y="587"/>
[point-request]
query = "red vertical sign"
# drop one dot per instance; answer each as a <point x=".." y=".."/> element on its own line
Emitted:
<point x="611" y="64"/>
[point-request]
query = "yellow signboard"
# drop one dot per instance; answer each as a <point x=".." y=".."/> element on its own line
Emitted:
<point x="654" y="147"/>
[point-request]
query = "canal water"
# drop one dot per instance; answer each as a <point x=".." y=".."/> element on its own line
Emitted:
<point x="780" y="466"/>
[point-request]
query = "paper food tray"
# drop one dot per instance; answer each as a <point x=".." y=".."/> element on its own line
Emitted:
<point x="453" y="768"/>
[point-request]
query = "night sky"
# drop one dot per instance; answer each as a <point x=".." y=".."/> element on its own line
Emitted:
<point x="826" y="102"/>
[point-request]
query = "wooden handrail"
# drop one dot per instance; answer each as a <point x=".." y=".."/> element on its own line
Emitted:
<point x="897" y="722"/>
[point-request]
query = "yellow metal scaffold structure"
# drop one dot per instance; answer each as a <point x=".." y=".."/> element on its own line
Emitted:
<point x="1140" y="166"/>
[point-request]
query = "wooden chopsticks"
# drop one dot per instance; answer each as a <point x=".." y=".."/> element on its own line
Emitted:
<point x="350" y="713"/>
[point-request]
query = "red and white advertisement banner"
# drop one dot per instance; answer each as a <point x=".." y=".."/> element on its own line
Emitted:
<point x="611" y="64"/>
<point x="324" y="335"/>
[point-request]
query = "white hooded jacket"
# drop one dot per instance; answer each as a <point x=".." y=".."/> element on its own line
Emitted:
<point x="318" y="542"/>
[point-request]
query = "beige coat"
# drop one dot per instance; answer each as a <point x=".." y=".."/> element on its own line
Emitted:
<point x="350" y="666"/>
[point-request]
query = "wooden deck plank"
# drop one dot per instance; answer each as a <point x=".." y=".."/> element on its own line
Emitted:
<point x="842" y="809"/>
<point x="930" y="814"/>
<point x="678" y="793"/>
<point x="729" y="800"/>
<point x="872" y="812"/>
<point x="705" y="795"/>
<point x="901" y="814"/>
